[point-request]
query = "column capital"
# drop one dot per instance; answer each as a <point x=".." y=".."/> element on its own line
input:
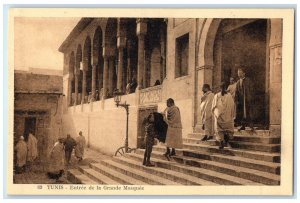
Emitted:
<point x="121" y="42"/>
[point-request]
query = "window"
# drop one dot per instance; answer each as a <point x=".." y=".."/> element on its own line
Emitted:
<point x="182" y="56"/>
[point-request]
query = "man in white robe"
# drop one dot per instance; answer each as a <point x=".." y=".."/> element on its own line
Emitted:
<point x="56" y="161"/>
<point x="223" y="110"/>
<point x="21" y="152"/>
<point x="205" y="112"/>
<point x="232" y="88"/>
<point x="32" y="148"/>
<point x="80" y="145"/>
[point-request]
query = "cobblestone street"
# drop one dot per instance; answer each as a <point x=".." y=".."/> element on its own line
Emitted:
<point x="37" y="173"/>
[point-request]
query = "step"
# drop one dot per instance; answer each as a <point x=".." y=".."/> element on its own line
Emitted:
<point x="238" y="171"/>
<point x="198" y="141"/>
<point x="209" y="175"/>
<point x="138" y="173"/>
<point x="256" y="146"/>
<point x="247" y="132"/>
<point x="96" y="176"/>
<point x="238" y="144"/>
<point x="76" y="177"/>
<point x="115" y="175"/>
<point x="238" y="138"/>
<point x="265" y="166"/>
<point x="134" y="160"/>
<point x="202" y="151"/>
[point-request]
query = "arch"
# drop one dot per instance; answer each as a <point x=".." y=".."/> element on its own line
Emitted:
<point x="78" y="59"/>
<point x="206" y="44"/>
<point x="97" y="46"/>
<point x="110" y="48"/>
<point x="78" y="72"/>
<point x="72" y="65"/>
<point x="209" y="69"/>
<point x="98" y="61"/>
<point x="87" y="54"/>
<point x="87" y="65"/>
<point x="111" y="33"/>
<point x="71" y="87"/>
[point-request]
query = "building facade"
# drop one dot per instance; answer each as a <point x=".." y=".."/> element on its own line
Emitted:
<point x="38" y="109"/>
<point x="169" y="58"/>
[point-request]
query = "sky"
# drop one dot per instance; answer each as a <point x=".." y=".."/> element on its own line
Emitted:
<point x="37" y="41"/>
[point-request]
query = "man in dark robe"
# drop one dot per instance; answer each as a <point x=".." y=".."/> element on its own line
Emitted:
<point x="243" y="100"/>
<point x="70" y="143"/>
<point x="150" y="134"/>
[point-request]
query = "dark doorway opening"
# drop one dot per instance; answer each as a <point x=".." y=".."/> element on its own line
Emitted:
<point x="244" y="44"/>
<point x="30" y="126"/>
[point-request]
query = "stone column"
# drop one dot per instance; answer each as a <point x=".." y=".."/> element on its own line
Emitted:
<point x="275" y="76"/>
<point x="71" y="77"/>
<point x="111" y="75"/>
<point x="141" y="32"/>
<point x="162" y="53"/>
<point x="83" y="86"/>
<point x="94" y="82"/>
<point x="129" y="76"/>
<point x="120" y="70"/>
<point x="121" y="42"/>
<point x="76" y="86"/>
<point x="105" y="77"/>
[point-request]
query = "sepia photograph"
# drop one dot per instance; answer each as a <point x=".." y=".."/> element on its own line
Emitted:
<point x="142" y="102"/>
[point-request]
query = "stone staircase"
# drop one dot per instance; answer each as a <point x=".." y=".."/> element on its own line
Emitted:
<point x="252" y="159"/>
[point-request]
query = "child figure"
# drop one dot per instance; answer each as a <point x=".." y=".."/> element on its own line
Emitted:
<point x="149" y="139"/>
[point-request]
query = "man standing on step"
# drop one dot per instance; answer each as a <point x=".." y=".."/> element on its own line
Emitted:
<point x="224" y="112"/>
<point x="244" y="100"/>
<point x="80" y="145"/>
<point x="149" y="139"/>
<point x="70" y="143"/>
<point x="205" y="112"/>
<point x="56" y="164"/>
<point x="174" y="132"/>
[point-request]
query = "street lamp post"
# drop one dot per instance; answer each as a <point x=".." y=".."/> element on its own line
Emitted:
<point x="117" y="98"/>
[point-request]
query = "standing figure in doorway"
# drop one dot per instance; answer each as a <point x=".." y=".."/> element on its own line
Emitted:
<point x="205" y="112"/>
<point x="80" y="145"/>
<point x="21" y="151"/>
<point x="32" y="149"/>
<point x="174" y="132"/>
<point x="244" y="100"/>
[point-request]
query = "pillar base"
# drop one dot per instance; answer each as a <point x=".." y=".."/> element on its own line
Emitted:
<point x="275" y="130"/>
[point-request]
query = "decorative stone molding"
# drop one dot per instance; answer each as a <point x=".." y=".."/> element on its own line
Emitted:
<point x="150" y="95"/>
<point x="209" y="67"/>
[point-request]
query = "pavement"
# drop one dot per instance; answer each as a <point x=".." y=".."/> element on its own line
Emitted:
<point x="36" y="174"/>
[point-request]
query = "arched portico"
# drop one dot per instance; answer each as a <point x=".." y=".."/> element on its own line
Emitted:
<point x="212" y="67"/>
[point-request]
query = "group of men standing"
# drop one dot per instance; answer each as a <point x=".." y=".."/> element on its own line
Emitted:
<point x="60" y="154"/>
<point x="62" y="151"/>
<point x="26" y="153"/>
<point x="220" y="112"/>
